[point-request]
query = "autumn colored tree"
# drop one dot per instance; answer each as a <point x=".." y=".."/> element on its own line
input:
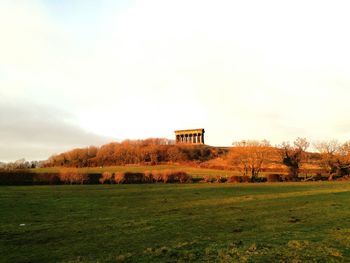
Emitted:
<point x="250" y="156"/>
<point x="175" y="154"/>
<point x="335" y="157"/>
<point x="293" y="155"/>
<point x="150" y="151"/>
<point x="329" y="151"/>
<point x="344" y="168"/>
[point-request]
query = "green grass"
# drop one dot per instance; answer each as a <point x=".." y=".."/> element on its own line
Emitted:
<point x="281" y="222"/>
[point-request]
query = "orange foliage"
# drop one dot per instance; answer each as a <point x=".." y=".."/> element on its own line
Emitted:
<point x="106" y="177"/>
<point x="72" y="176"/>
<point x="150" y="151"/>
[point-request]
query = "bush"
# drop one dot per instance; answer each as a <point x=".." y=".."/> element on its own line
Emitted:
<point x="169" y="176"/>
<point x="158" y="176"/>
<point x="287" y="178"/>
<point x="239" y="179"/>
<point x="165" y="176"/>
<point x="183" y="177"/>
<point x="149" y="178"/>
<point x="208" y="179"/>
<point x="234" y="179"/>
<point x="73" y="176"/>
<point x="246" y="179"/>
<point x="220" y="179"/>
<point x="46" y="178"/>
<point x="119" y="178"/>
<point x="273" y="178"/>
<point x="344" y="178"/>
<point x="17" y="177"/>
<point x="107" y="178"/>
<point x="318" y="177"/>
<point x="129" y="178"/>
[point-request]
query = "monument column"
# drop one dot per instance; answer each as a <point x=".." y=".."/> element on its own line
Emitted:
<point x="193" y="136"/>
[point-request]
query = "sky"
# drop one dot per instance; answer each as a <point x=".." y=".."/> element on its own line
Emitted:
<point x="75" y="73"/>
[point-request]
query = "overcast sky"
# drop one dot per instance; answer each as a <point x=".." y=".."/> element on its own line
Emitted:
<point x="78" y="73"/>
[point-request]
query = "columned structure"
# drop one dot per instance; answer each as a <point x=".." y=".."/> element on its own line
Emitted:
<point x="195" y="136"/>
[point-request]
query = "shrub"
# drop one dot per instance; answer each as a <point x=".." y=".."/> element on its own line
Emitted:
<point x="220" y="179"/>
<point x="129" y="178"/>
<point x="94" y="178"/>
<point x="107" y="178"/>
<point x="46" y="178"/>
<point x="169" y="176"/>
<point x="287" y="178"/>
<point x="184" y="177"/>
<point x="273" y="178"/>
<point x="157" y="176"/>
<point x="344" y="178"/>
<point x="119" y="178"/>
<point x="208" y="179"/>
<point x="165" y="176"/>
<point x="234" y="179"/>
<point x="73" y="176"/>
<point x="17" y="177"/>
<point x="318" y="177"/>
<point x="149" y="178"/>
<point x="245" y="179"/>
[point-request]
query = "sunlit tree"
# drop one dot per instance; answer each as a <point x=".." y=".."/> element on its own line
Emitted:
<point x="293" y="155"/>
<point x="250" y="156"/>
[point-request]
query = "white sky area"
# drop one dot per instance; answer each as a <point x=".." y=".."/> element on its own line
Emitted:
<point x="110" y="70"/>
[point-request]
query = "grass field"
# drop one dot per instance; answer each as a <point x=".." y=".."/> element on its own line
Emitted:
<point x="196" y="172"/>
<point x="193" y="171"/>
<point x="281" y="222"/>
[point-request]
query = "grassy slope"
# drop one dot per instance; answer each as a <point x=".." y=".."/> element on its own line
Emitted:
<point x="170" y="223"/>
<point x="193" y="171"/>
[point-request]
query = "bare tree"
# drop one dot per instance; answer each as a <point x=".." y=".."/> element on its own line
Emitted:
<point x="250" y="156"/>
<point x="335" y="157"/>
<point x="330" y="151"/>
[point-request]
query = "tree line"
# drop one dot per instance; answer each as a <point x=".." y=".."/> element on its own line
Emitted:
<point x="149" y="151"/>
<point x="250" y="157"/>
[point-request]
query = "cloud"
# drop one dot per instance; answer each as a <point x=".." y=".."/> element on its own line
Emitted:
<point x="136" y="69"/>
<point x="37" y="131"/>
